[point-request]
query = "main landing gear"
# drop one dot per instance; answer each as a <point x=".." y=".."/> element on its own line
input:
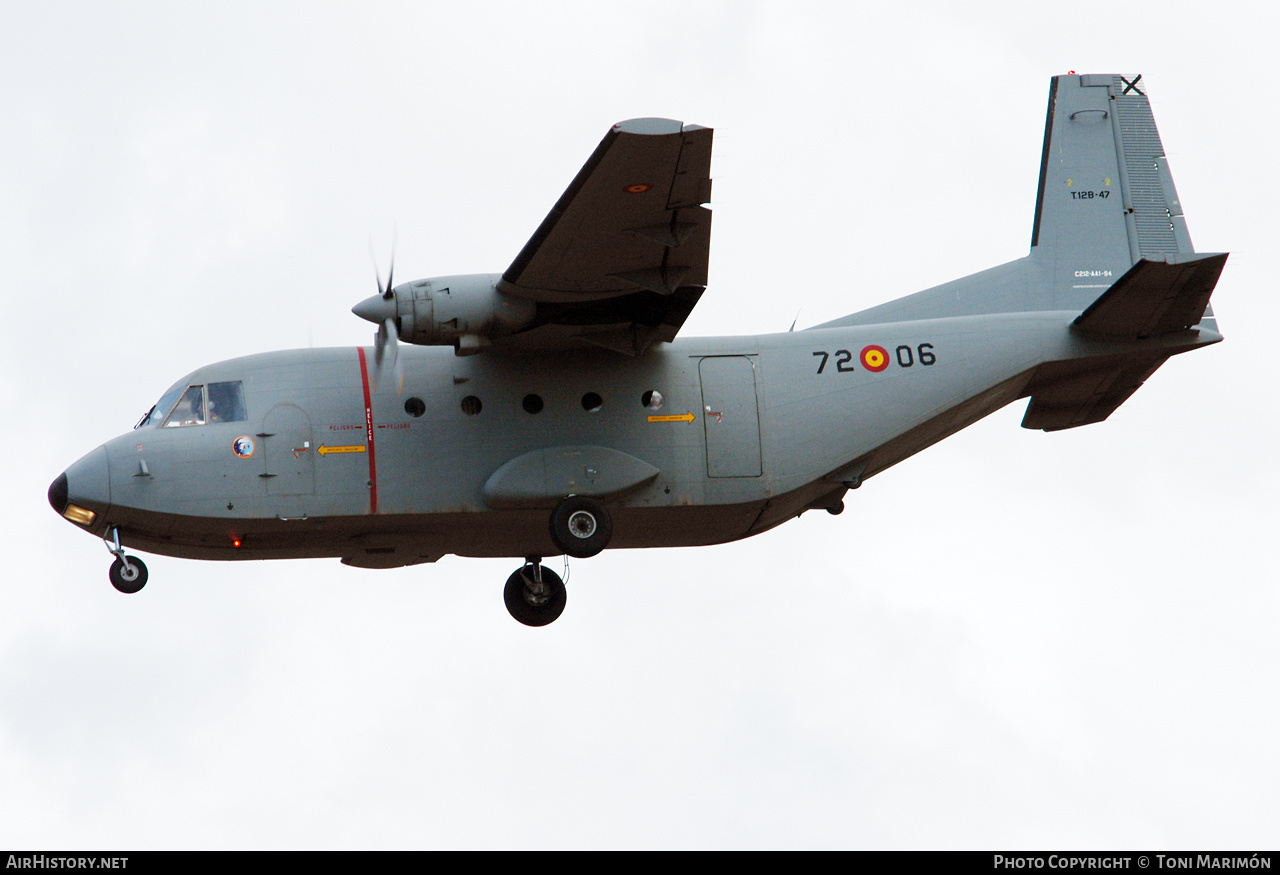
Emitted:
<point x="535" y="595"/>
<point x="580" y="527"/>
<point x="128" y="573"/>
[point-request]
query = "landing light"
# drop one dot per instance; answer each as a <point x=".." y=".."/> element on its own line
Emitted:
<point x="79" y="515"/>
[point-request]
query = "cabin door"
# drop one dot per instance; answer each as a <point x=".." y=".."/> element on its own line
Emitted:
<point x="730" y="415"/>
<point x="290" y="456"/>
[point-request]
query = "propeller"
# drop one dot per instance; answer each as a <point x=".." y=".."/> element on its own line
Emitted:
<point x="384" y="291"/>
<point x="386" y="342"/>
<point x="386" y="346"/>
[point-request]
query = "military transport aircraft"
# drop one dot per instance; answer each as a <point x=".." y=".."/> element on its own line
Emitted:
<point x="564" y="415"/>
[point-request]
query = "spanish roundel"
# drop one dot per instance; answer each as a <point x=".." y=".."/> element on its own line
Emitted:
<point x="874" y="358"/>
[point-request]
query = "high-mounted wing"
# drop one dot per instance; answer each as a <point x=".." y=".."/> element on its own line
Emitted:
<point x="621" y="259"/>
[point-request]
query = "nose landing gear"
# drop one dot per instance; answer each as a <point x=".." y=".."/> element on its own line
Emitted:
<point x="128" y="574"/>
<point x="535" y="595"/>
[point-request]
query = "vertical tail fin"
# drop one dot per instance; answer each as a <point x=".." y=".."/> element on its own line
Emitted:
<point x="1106" y="197"/>
<point x="1105" y="202"/>
<point x="1110" y="237"/>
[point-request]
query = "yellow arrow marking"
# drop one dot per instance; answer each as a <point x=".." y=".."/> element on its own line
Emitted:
<point x="324" y="451"/>
<point x="680" y="417"/>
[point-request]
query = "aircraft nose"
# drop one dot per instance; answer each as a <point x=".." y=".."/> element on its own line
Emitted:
<point x="376" y="309"/>
<point x="83" y="491"/>
<point x="58" y="494"/>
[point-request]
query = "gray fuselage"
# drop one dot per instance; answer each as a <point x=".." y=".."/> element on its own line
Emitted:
<point x="751" y="431"/>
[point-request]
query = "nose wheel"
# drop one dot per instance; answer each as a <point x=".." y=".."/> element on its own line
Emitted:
<point x="128" y="574"/>
<point x="535" y="595"/>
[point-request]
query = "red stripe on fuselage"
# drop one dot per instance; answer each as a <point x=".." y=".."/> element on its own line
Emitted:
<point x="368" y="433"/>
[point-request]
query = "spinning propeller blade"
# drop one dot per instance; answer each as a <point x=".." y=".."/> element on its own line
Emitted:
<point x="387" y="339"/>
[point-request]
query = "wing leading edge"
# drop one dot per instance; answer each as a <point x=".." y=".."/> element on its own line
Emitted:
<point x="621" y="259"/>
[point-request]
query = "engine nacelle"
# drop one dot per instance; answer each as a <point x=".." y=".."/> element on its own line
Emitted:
<point x="466" y="312"/>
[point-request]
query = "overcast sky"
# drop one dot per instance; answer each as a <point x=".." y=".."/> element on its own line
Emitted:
<point x="1012" y="640"/>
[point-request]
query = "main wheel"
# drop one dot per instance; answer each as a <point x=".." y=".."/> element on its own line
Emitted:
<point x="532" y="608"/>
<point x="128" y="578"/>
<point x="580" y="527"/>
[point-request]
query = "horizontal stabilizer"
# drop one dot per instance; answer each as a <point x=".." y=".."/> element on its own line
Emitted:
<point x="1088" y="397"/>
<point x="1154" y="297"/>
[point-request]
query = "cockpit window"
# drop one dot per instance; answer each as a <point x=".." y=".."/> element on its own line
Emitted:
<point x="190" y="409"/>
<point x="195" y="405"/>
<point x="226" y="402"/>
<point x="156" y="414"/>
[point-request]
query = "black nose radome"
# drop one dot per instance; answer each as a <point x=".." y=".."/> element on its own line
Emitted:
<point x="58" y="494"/>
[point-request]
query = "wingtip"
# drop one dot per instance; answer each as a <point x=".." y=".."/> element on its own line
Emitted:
<point x="649" y="126"/>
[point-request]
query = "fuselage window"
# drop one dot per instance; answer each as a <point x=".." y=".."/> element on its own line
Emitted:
<point x="190" y="409"/>
<point x="226" y="402"/>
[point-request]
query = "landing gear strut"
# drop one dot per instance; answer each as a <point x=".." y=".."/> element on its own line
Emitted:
<point x="535" y="595"/>
<point x="128" y="573"/>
